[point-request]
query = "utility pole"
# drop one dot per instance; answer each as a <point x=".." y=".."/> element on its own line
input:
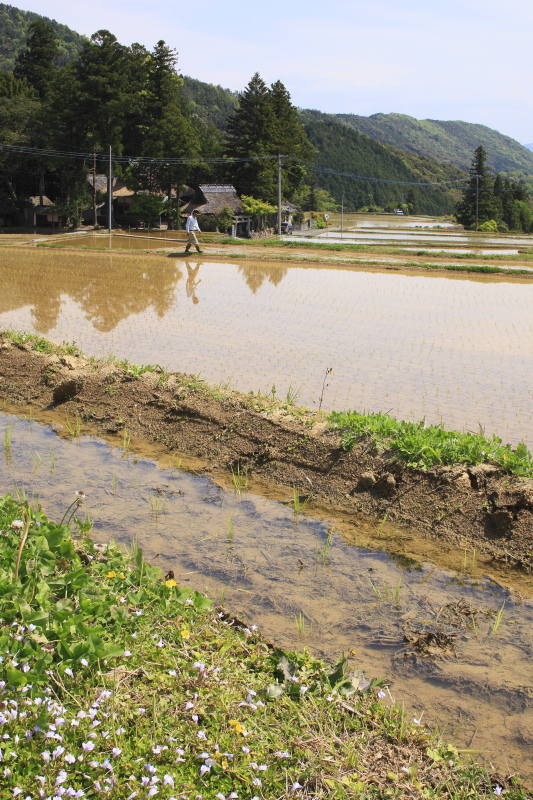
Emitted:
<point x="342" y="214"/>
<point x="110" y="191"/>
<point x="477" y="201"/>
<point x="95" y="213"/>
<point x="279" y="195"/>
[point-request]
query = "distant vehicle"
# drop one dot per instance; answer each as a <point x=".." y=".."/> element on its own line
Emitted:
<point x="286" y="227"/>
<point x="399" y="211"/>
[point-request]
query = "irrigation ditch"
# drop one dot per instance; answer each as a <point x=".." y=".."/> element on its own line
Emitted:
<point x="423" y="575"/>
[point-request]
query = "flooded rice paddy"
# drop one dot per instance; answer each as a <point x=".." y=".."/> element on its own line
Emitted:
<point x="458" y="647"/>
<point x="449" y="348"/>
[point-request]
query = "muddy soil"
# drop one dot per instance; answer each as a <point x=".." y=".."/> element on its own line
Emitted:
<point x="276" y="445"/>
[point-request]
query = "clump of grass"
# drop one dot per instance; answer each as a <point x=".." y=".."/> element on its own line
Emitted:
<point x="239" y="479"/>
<point x="34" y="341"/>
<point x="497" y="621"/>
<point x="73" y="427"/>
<point x="8" y="432"/>
<point x="423" y="446"/>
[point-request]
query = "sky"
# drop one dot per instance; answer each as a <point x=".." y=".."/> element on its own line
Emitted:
<point x="459" y="59"/>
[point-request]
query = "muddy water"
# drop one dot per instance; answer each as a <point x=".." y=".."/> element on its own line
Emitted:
<point x="272" y="566"/>
<point x="452" y="349"/>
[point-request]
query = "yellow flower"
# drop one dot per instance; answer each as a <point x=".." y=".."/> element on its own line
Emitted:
<point x="185" y="634"/>
<point x="112" y="574"/>
<point x="170" y="583"/>
<point x="121" y="575"/>
<point x="237" y="726"/>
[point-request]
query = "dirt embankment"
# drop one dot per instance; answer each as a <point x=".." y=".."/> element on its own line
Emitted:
<point x="276" y="444"/>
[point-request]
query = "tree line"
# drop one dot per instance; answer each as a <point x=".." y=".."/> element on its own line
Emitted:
<point x="133" y="100"/>
<point x="493" y="203"/>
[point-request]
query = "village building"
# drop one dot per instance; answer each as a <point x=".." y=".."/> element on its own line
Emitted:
<point x="40" y="212"/>
<point x="212" y="199"/>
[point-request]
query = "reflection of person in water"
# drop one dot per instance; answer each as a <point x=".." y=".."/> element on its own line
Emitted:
<point x="192" y="283"/>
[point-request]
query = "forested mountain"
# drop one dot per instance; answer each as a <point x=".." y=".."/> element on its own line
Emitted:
<point x="14" y="25"/>
<point x="449" y="142"/>
<point x="343" y="149"/>
<point x="340" y="148"/>
<point x="211" y="103"/>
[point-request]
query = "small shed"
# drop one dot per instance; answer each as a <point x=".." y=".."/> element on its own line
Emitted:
<point x="41" y="212"/>
<point x="212" y="199"/>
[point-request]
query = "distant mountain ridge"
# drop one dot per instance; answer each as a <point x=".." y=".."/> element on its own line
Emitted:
<point x="14" y="25"/>
<point x="451" y="142"/>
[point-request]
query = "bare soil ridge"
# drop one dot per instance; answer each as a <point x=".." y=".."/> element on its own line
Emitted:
<point x="277" y="444"/>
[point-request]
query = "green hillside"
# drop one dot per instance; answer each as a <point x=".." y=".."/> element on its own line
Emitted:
<point x="346" y="150"/>
<point x="14" y="25"/>
<point x="449" y="142"/>
<point x="211" y="103"/>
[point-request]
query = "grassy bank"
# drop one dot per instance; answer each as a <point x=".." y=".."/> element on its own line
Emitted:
<point x="422" y="446"/>
<point x="116" y="683"/>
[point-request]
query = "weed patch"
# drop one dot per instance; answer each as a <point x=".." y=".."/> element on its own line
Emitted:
<point x="117" y="683"/>
<point x="423" y="446"/>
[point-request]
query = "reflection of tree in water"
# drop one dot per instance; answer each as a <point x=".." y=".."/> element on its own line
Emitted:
<point x="130" y="288"/>
<point x="256" y="275"/>
<point x="45" y="312"/>
<point x="108" y="287"/>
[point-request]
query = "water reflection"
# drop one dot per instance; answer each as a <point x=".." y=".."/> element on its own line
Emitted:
<point x="192" y="281"/>
<point x="107" y="289"/>
<point x="256" y="274"/>
<point x="456" y="349"/>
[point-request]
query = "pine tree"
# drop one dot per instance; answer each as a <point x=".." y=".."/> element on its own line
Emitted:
<point x="290" y="140"/>
<point x="479" y="194"/>
<point x="251" y="132"/>
<point x="161" y="126"/>
<point x="266" y="125"/>
<point x="36" y="64"/>
<point x="412" y="201"/>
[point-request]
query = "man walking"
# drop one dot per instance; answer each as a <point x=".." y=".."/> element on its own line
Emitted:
<point x="191" y="226"/>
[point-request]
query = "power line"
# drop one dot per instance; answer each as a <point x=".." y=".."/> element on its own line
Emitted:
<point x="131" y="160"/>
<point x="171" y="161"/>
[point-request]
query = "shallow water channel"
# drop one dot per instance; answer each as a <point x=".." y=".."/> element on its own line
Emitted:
<point x="305" y="582"/>
<point x="444" y="347"/>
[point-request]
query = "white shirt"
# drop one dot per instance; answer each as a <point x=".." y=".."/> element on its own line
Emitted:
<point x="192" y="224"/>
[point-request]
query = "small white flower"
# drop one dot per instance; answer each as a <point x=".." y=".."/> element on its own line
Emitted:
<point x="69" y="672"/>
<point x="201" y="735"/>
<point x="116" y="751"/>
<point x="296" y="786"/>
<point x="381" y="694"/>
